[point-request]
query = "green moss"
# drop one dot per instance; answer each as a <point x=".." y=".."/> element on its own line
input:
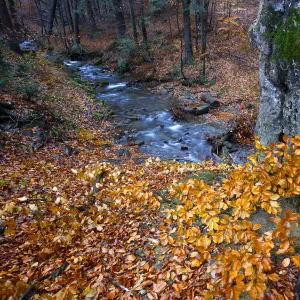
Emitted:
<point x="287" y="38"/>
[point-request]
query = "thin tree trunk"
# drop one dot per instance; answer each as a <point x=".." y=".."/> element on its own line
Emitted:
<point x="143" y="24"/>
<point x="98" y="7"/>
<point x="92" y="21"/>
<point x="119" y="15"/>
<point x="38" y="7"/>
<point x="61" y="14"/>
<point x="133" y="20"/>
<point x="76" y="23"/>
<point x="5" y="17"/>
<point x="188" y="49"/>
<point x="204" y="20"/>
<point x="12" y="8"/>
<point x="49" y="27"/>
<point x="69" y="21"/>
<point x="197" y="22"/>
<point x="181" y="42"/>
<point x="70" y="17"/>
<point x="145" y="35"/>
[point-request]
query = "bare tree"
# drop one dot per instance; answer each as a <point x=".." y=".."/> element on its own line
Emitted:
<point x="76" y="37"/>
<point x="92" y="21"/>
<point x="5" y="17"/>
<point x="204" y="4"/>
<point x="49" y="26"/>
<point x="133" y="20"/>
<point x="119" y="15"/>
<point x="187" y="33"/>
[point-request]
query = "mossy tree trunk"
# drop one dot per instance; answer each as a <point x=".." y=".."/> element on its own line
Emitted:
<point x="276" y="34"/>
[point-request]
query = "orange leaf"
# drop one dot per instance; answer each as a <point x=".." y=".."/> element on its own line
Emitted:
<point x="283" y="247"/>
<point x="273" y="277"/>
<point x="296" y="260"/>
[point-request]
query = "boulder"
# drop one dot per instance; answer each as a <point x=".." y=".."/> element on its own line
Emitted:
<point x="209" y="99"/>
<point x="139" y="142"/>
<point x="197" y="111"/>
<point x="29" y="45"/>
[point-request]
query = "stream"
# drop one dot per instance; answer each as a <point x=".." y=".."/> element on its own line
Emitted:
<point x="143" y="118"/>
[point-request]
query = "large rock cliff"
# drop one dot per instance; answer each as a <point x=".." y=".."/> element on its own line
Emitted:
<point x="276" y="34"/>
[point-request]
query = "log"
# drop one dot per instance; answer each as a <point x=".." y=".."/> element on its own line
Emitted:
<point x="6" y="112"/>
<point x="209" y="99"/>
<point x="6" y="105"/>
<point x="201" y="110"/>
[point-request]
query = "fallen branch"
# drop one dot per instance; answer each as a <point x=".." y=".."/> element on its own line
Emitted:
<point x="31" y="290"/>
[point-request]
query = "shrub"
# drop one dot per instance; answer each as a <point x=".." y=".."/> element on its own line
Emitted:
<point x="125" y="45"/>
<point x="28" y="90"/>
<point x="123" y="65"/>
<point x="3" y="83"/>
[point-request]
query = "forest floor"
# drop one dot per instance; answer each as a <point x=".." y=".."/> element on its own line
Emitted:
<point x="85" y="217"/>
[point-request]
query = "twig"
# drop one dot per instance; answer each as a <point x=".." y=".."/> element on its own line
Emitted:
<point x="31" y="290"/>
<point x="119" y="285"/>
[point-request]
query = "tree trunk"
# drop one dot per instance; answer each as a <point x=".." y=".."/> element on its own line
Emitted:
<point x="76" y="37"/>
<point x="203" y="30"/>
<point x="133" y="20"/>
<point x="279" y="64"/>
<point x="12" y="8"/>
<point x="92" y="21"/>
<point x="197" y="22"/>
<point x="69" y="14"/>
<point x="119" y="15"/>
<point x="38" y="7"/>
<point x="49" y="27"/>
<point x="188" y="47"/>
<point x="180" y="37"/>
<point x="143" y="24"/>
<point x="5" y="17"/>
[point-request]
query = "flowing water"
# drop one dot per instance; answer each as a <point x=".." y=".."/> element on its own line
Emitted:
<point x="143" y="116"/>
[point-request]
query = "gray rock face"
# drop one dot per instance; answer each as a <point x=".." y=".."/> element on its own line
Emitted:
<point x="279" y="77"/>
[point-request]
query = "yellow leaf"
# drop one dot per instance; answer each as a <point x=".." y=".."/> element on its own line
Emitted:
<point x="233" y="274"/>
<point x="249" y="271"/>
<point x="170" y="240"/>
<point x="283" y="247"/>
<point x="296" y="260"/>
<point x="256" y="190"/>
<point x="256" y="226"/>
<point x="274" y="197"/>
<point x="273" y="277"/>
<point x="194" y="254"/>
<point x="195" y="263"/>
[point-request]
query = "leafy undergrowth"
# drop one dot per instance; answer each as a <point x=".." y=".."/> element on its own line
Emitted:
<point x="150" y="230"/>
<point x="96" y="225"/>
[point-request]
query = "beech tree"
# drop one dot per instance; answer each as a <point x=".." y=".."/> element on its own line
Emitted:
<point x="49" y="27"/>
<point x="187" y="33"/>
<point x="5" y="17"/>
<point x="119" y="15"/>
